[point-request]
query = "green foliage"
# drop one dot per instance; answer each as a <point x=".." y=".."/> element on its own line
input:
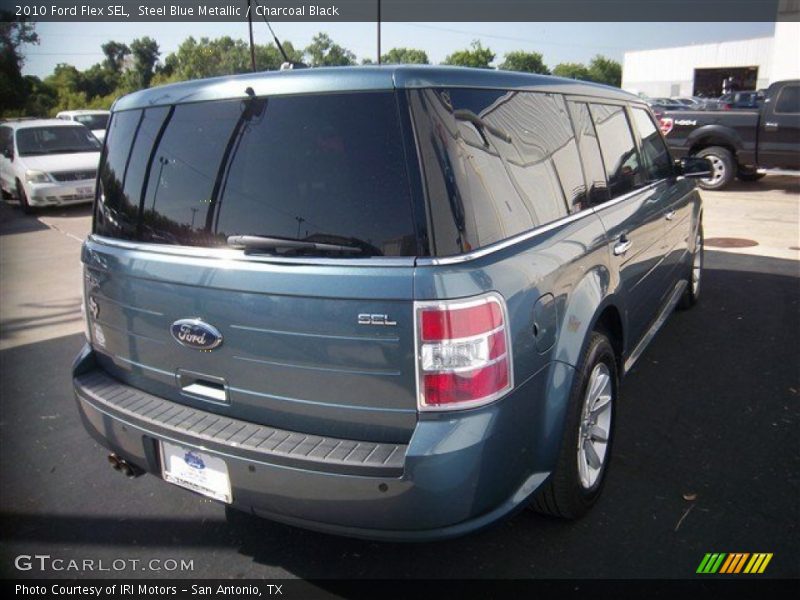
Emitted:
<point x="13" y="33"/>
<point x="145" y="56"/>
<point x="127" y="68"/>
<point x="527" y="62"/>
<point x="477" y="56"/>
<point x="605" y="70"/>
<point x="600" y="70"/>
<point x="115" y="55"/>
<point x="405" y="56"/>
<point x="324" y="52"/>
<point x="572" y="71"/>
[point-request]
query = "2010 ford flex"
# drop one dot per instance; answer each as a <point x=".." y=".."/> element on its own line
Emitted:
<point x="385" y="302"/>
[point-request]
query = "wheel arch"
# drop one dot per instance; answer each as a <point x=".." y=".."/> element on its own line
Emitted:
<point x="591" y="303"/>
<point x="713" y="135"/>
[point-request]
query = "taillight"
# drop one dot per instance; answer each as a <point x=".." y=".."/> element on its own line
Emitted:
<point x="666" y="124"/>
<point x="463" y="352"/>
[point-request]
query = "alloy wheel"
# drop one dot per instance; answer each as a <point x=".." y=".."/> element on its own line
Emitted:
<point x="595" y="426"/>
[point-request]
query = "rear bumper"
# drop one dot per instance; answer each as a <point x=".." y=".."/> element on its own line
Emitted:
<point x="456" y="475"/>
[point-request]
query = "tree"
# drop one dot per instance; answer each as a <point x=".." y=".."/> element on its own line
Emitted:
<point x="405" y="56"/>
<point x="527" y="62"/>
<point x="13" y="34"/>
<point x="572" y="71"/>
<point x="145" y="56"/>
<point x="269" y="58"/>
<point x="323" y="52"/>
<point x="41" y="98"/>
<point x="478" y="56"/>
<point x="605" y="70"/>
<point x="99" y="80"/>
<point x="69" y="85"/>
<point x="115" y="55"/>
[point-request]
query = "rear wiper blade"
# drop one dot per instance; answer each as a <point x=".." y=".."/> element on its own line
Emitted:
<point x="258" y="242"/>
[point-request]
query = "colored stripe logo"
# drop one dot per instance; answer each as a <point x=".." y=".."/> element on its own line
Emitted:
<point x="734" y="563"/>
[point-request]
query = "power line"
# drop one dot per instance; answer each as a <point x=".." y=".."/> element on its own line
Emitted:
<point x="512" y="38"/>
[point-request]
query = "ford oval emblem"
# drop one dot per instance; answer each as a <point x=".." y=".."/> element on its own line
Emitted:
<point x="194" y="461"/>
<point x="194" y="333"/>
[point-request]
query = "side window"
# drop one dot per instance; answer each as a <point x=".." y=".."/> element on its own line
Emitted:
<point x="590" y="153"/>
<point x="656" y="155"/>
<point x="123" y="171"/>
<point x="624" y="170"/>
<point x="497" y="163"/>
<point x="788" y="101"/>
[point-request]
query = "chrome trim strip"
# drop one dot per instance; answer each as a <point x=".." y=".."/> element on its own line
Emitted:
<point x="527" y="235"/>
<point x="666" y="311"/>
<point x="239" y="255"/>
<point x="628" y="196"/>
<point x="503" y="244"/>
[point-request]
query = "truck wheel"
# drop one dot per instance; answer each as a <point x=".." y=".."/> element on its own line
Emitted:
<point x="23" y="199"/>
<point x="748" y="174"/>
<point x="577" y="480"/>
<point x="724" y="168"/>
<point x="692" y="291"/>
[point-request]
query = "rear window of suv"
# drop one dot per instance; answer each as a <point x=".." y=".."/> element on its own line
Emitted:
<point x="327" y="168"/>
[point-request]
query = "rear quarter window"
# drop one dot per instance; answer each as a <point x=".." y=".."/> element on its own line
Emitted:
<point x="496" y="163"/>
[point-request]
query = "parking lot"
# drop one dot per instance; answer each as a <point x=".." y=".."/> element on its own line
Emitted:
<point x="706" y="456"/>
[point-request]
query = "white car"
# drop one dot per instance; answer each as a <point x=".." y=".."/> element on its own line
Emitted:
<point x="96" y="120"/>
<point x="47" y="162"/>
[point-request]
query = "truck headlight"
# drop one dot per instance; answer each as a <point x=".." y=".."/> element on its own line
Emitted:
<point x="38" y="177"/>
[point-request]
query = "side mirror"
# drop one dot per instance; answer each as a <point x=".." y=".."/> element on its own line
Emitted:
<point x="8" y="153"/>
<point x="694" y="167"/>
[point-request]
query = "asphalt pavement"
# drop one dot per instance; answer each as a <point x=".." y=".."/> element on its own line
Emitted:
<point x="706" y="459"/>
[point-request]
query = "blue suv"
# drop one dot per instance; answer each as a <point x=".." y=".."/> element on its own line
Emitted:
<point x="386" y="302"/>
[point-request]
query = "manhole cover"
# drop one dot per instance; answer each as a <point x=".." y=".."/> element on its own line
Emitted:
<point x="725" y="242"/>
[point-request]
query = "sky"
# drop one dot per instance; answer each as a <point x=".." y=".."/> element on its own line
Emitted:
<point x="79" y="43"/>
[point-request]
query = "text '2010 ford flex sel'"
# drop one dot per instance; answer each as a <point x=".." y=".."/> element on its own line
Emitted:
<point x="388" y="302"/>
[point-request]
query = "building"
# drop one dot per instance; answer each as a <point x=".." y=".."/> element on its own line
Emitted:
<point x="701" y="69"/>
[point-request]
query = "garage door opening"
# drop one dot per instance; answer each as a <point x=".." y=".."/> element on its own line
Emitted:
<point x="709" y="82"/>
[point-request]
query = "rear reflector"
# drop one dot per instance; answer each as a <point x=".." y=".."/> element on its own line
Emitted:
<point x="463" y="352"/>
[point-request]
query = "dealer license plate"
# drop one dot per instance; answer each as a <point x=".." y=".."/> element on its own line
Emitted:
<point x="196" y="471"/>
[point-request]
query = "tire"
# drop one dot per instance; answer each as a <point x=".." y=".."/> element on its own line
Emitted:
<point x="574" y="486"/>
<point x="23" y="200"/>
<point x="748" y="174"/>
<point x="724" y="168"/>
<point x="692" y="292"/>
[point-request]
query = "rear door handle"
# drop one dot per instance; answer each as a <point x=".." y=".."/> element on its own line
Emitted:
<point x="670" y="215"/>
<point x="622" y="246"/>
<point x="770" y="125"/>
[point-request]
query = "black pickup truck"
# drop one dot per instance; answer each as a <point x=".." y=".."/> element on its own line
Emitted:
<point x="739" y="143"/>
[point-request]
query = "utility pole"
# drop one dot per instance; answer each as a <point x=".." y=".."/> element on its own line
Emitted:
<point x="250" y="27"/>
<point x="379" y="31"/>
